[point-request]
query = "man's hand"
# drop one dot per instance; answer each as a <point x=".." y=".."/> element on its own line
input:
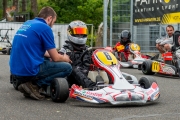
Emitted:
<point x="166" y="41"/>
<point x="159" y="40"/>
<point x="66" y="58"/>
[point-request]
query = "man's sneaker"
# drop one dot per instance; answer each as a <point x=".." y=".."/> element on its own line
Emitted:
<point x="32" y="90"/>
<point x="23" y="91"/>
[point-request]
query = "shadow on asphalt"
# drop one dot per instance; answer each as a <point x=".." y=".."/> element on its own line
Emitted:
<point x="106" y="105"/>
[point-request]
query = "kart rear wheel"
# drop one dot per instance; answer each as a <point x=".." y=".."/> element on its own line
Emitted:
<point x="4" y="52"/>
<point x="146" y="82"/>
<point x="147" y="67"/>
<point x="8" y="51"/>
<point x="59" y="90"/>
<point x="15" y="82"/>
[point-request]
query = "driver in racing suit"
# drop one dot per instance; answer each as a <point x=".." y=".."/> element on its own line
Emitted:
<point x="122" y="47"/>
<point x="74" y="47"/>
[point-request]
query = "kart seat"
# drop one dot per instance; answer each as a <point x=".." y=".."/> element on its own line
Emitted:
<point x="176" y="44"/>
<point x="93" y="76"/>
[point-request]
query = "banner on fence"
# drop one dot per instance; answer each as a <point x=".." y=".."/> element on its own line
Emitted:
<point x="156" y="11"/>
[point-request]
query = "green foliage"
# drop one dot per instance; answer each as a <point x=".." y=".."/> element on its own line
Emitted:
<point x="89" y="11"/>
<point x="91" y="40"/>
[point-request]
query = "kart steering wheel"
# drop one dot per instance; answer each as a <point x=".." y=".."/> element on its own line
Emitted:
<point x="84" y="61"/>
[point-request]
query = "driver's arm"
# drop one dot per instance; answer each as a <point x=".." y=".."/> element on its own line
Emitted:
<point x="56" y="57"/>
<point x="115" y="47"/>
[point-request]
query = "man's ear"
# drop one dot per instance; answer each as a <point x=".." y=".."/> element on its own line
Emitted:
<point x="49" y="19"/>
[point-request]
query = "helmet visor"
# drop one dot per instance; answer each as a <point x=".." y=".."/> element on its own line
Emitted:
<point x="82" y="31"/>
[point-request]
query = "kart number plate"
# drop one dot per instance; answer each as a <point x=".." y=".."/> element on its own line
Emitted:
<point x="155" y="66"/>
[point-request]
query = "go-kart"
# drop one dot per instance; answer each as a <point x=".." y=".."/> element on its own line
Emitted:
<point x="125" y="88"/>
<point x="169" y="65"/>
<point x="58" y="90"/>
<point x="135" y="57"/>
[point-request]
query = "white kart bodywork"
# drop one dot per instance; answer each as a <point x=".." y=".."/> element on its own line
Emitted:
<point x="133" y="63"/>
<point x="121" y="92"/>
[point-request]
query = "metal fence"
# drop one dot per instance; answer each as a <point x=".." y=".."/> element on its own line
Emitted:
<point x="122" y="11"/>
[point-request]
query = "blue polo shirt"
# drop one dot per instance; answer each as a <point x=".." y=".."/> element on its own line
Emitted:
<point x="30" y="42"/>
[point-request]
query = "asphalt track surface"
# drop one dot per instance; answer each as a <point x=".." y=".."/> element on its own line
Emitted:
<point x="13" y="106"/>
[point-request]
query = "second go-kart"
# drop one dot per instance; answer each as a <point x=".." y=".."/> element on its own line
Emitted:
<point x="169" y="65"/>
<point x="125" y="88"/>
<point x="135" y="57"/>
<point x="58" y="90"/>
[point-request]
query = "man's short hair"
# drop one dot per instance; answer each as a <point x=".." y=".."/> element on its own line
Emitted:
<point x="170" y="26"/>
<point x="46" y="12"/>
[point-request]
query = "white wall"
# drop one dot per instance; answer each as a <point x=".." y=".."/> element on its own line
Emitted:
<point x="62" y="28"/>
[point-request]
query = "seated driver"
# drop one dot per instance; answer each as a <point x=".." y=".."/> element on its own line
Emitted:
<point x="122" y="47"/>
<point x="74" y="47"/>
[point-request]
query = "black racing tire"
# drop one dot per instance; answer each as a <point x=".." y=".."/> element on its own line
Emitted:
<point x="11" y="79"/>
<point x="59" y="90"/>
<point x="4" y="52"/>
<point x="8" y="51"/>
<point x="15" y="82"/>
<point x="146" y="82"/>
<point x="146" y="67"/>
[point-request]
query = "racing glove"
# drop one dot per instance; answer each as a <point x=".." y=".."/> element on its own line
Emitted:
<point x="62" y="51"/>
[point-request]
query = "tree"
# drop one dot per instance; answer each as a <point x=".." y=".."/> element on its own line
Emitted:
<point x="23" y="5"/>
<point x="16" y="4"/>
<point x="34" y="7"/>
<point x="4" y="7"/>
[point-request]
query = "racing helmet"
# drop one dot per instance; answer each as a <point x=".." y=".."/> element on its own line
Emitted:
<point x="125" y="36"/>
<point x="77" y="32"/>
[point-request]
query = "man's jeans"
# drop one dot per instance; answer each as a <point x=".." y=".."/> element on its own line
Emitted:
<point x="50" y="70"/>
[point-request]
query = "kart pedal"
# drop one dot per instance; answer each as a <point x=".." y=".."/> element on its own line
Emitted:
<point x="99" y="80"/>
<point x="100" y="83"/>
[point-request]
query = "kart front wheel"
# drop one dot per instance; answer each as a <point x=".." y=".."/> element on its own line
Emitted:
<point x="59" y="90"/>
<point x="147" y="67"/>
<point x="146" y="82"/>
